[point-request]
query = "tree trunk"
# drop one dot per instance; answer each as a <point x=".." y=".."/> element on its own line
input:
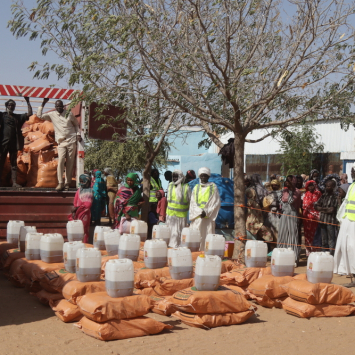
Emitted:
<point x="146" y="184"/>
<point x="239" y="188"/>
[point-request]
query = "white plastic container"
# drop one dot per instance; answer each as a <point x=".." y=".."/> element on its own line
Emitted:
<point x="119" y="277"/>
<point x="207" y="272"/>
<point x="69" y="255"/>
<point x="215" y="245"/>
<point x="282" y="262"/>
<point x="33" y="246"/>
<point x="112" y="240"/>
<point x="129" y="247"/>
<point x="320" y="267"/>
<point x="191" y="238"/>
<point x="88" y="264"/>
<point x="22" y="238"/>
<point x="75" y="231"/>
<point x="180" y="263"/>
<point x="155" y="253"/>
<point x="162" y="231"/>
<point x="99" y="240"/>
<point x="255" y="253"/>
<point x="52" y="248"/>
<point x="141" y="228"/>
<point x="13" y="231"/>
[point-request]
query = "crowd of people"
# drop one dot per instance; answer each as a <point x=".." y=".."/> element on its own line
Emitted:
<point x="277" y="210"/>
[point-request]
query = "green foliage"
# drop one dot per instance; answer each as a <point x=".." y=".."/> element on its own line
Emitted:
<point x="121" y="157"/>
<point x="299" y="148"/>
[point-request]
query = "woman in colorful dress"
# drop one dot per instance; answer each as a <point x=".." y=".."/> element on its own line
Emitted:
<point x="310" y="224"/>
<point x="100" y="196"/>
<point x="128" y="200"/>
<point x="82" y="205"/>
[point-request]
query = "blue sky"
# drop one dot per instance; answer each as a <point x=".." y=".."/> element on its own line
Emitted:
<point x="18" y="54"/>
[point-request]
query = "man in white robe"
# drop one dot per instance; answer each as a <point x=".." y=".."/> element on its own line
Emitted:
<point x="178" y="198"/>
<point x="204" y="206"/>
<point x="344" y="256"/>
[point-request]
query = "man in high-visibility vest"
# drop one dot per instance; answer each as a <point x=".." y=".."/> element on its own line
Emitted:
<point x="344" y="256"/>
<point x="179" y="195"/>
<point x="155" y="185"/>
<point x="204" y="206"/>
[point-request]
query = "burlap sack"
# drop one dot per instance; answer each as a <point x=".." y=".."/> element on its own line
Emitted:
<point x="54" y="281"/>
<point x="33" y="136"/>
<point x="208" y="321"/>
<point x="239" y="289"/>
<point x="22" y="170"/>
<point x="267" y="302"/>
<point x="40" y="144"/>
<point x="229" y="265"/>
<point x="243" y="276"/>
<point x="100" y="307"/>
<point x="44" y="297"/>
<point x="65" y="311"/>
<point x="47" y="174"/>
<point x="75" y="289"/>
<point x="16" y="275"/>
<point x="36" y="269"/>
<point x="305" y="291"/>
<point x="145" y="274"/>
<point x="270" y="286"/>
<point x="32" y="286"/>
<point x="168" y="286"/>
<point x="122" y="329"/>
<point x="162" y="305"/>
<point x="47" y="128"/>
<point x="9" y="256"/>
<point x="223" y="300"/>
<point x="4" y="246"/>
<point x="305" y="310"/>
<point x="148" y="291"/>
<point x="34" y="119"/>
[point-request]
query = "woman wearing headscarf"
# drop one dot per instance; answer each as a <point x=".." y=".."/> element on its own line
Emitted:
<point x="179" y="195"/>
<point x="288" y="230"/>
<point x="271" y="203"/>
<point x="314" y="175"/>
<point x="310" y="224"/>
<point x="82" y="204"/>
<point x="111" y="184"/>
<point x="161" y="205"/>
<point x="128" y="200"/>
<point x="100" y="196"/>
<point x="190" y="175"/>
<point x="329" y="177"/>
<point x="204" y="206"/>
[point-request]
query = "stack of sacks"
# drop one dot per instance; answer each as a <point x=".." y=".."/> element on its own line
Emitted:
<point x="108" y="318"/>
<point x="37" y="165"/>
<point x="317" y="300"/>
<point x="267" y="291"/>
<point x="210" y="309"/>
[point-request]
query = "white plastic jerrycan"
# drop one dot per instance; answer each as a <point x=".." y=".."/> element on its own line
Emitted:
<point x="190" y="238"/>
<point x="129" y="247"/>
<point x="75" y="231"/>
<point x="22" y="237"/>
<point x="13" y="231"/>
<point x="180" y="263"/>
<point x="207" y="272"/>
<point x="112" y="240"/>
<point x="155" y="253"/>
<point x="141" y="228"/>
<point x="320" y="267"/>
<point x="283" y="262"/>
<point x="99" y="240"/>
<point x="33" y="246"/>
<point x="69" y="255"/>
<point x="52" y="248"/>
<point x="88" y="264"/>
<point x="162" y="231"/>
<point x="215" y="245"/>
<point x="255" y="253"/>
<point x="119" y="277"/>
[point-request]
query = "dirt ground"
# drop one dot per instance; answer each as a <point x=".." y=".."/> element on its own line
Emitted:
<point x="28" y="327"/>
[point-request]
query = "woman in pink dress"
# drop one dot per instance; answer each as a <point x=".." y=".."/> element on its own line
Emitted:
<point x="82" y="204"/>
<point x="310" y="224"/>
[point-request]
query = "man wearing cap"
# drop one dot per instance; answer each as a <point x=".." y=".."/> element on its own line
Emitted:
<point x="11" y="138"/>
<point x="67" y="133"/>
<point x="344" y="256"/>
<point x="204" y="206"/>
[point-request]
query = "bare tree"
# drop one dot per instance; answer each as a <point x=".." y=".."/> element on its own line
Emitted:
<point x="227" y="65"/>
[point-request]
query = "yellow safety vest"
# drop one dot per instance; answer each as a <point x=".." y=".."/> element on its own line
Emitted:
<point x="202" y="197"/>
<point x="350" y="206"/>
<point x="175" y="207"/>
<point x="156" y="187"/>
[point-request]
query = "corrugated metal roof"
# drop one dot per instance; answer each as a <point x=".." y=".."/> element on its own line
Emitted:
<point x="335" y="139"/>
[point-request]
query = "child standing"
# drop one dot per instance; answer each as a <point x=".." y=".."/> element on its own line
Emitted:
<point x="327" y="206"/>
